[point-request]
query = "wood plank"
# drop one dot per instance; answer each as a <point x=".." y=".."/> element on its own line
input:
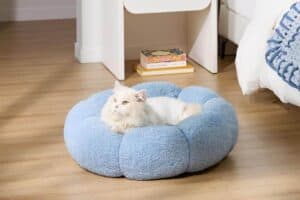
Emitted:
<point x="40" y="81"/>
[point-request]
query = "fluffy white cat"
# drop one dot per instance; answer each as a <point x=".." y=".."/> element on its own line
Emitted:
<point x="128" y="108"/>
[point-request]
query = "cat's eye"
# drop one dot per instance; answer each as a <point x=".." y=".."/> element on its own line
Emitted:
<point x="125" y="102"/>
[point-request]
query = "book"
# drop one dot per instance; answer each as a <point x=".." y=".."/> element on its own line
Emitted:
<point x="163" y="58"/>
<point x="163" y="71"/>
<point x="163" y="64"/>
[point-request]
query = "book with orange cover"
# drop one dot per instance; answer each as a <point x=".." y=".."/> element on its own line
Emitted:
<point x="163" y="71"/>
<point x="168" y="58"/>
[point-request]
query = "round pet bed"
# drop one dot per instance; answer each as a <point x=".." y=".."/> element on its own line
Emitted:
<point x="152" y="152"/>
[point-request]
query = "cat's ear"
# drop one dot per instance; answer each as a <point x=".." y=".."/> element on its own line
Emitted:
<point x="141" y="96"/>
<point x="117" y="86"/>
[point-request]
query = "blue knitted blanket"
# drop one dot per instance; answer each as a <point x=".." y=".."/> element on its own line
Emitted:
<point x="283" y="53"/>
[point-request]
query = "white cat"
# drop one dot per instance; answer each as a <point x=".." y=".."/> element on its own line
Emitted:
<point x="128" y="108"/>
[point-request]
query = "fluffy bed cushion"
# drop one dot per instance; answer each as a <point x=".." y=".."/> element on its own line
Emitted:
<point x="152" y="152"/>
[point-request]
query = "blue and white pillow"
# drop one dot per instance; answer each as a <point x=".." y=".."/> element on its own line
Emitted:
<point x="283" y="53"/>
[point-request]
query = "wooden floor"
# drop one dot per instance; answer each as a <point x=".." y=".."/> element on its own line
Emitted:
<point x="40" y="81"/>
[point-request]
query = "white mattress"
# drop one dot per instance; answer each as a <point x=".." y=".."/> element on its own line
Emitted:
<point x="244" y="8"/>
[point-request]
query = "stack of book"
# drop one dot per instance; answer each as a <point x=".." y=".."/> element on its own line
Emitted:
<point x="160" y="62"/>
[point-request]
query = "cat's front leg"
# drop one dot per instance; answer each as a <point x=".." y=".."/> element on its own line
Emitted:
<point x="119" y="128"/>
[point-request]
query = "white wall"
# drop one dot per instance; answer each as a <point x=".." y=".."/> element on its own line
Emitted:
<point x="22" y="10"/>
<point x="163" y="31"/>
<point x="154" y="31"/>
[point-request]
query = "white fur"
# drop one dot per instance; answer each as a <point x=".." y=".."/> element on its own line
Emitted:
<point x="128" y="108"/>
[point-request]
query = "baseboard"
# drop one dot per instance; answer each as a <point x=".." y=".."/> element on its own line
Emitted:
<point x="38" y="13"/>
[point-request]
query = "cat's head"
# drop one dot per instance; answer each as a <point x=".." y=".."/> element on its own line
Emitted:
<point x="126" y="100"/>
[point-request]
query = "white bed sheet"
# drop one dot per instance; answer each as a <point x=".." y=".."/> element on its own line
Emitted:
<point x="252" y="69"/>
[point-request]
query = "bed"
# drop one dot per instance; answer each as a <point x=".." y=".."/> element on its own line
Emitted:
<point x="251" y="25"/>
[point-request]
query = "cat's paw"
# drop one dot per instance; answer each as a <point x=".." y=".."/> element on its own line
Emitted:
<point x="118" y="129"/>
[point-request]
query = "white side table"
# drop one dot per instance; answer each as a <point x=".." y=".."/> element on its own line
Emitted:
<point x="100" y="30"/>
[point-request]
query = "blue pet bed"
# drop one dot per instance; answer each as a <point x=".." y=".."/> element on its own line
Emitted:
<point x="152" y="152"/>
